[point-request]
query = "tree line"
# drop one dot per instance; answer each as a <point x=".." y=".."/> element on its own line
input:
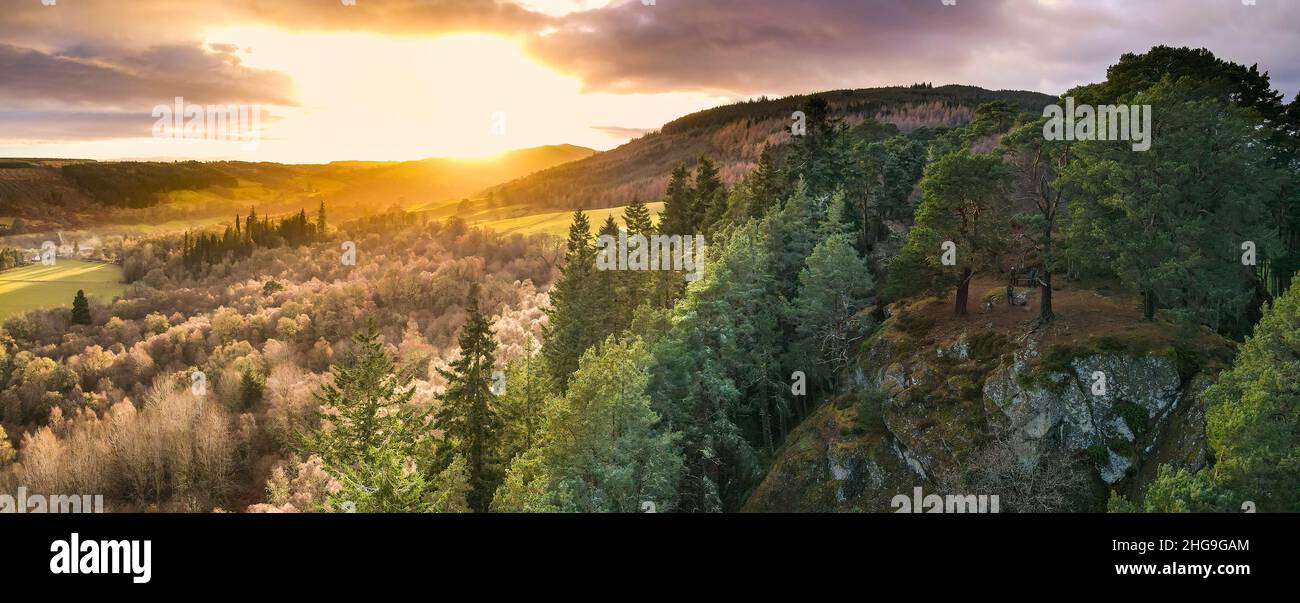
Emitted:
<point x="239" y="239"/>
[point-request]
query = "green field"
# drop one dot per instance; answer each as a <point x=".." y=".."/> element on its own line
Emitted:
<point x="557" y="223"/>
<point x="37" y="286"/>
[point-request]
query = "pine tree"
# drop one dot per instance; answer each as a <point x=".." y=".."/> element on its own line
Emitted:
<point x="523" y="401"/>
<point x="710" y="198"/>
<point x="602" y="449"/>
<point x="613" y="312"/>
<point x="637" y="218"/>
<point x="366" y="406"/>
<point x="1037" y="162"/>
<point x="638" y="285"/>
<point x="716" y="378"/>
<point x="387" y="481"/>
<point x="374" y="444"/>
<point x="451" y="488"/>
<point x="679" y="206"/>
<point x="1170" y="221"/>
<point x="250" y="390"/>
<point x="1252" y="425"/>
<point x="80" y="309"/>
<point x="764" y="186"/>
<point x="961" y="204"/>
<point x="322" y="228"/>
<point x="792" y="236"/>
<point x="832" y="289"/>
<point x="574" y="299"/>
<point x="468" y="417"/>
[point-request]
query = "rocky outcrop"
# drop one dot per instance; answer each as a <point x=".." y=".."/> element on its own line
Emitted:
<point x="1115" y="411"/>
<point x="1100" y="402"/>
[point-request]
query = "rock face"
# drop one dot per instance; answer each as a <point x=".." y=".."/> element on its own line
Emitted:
<point x="1116" y="412"/>
<point x="1101" y="400"/>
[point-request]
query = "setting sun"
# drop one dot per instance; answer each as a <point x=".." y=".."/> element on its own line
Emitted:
<point x="459" y="95"/>
<point x="267" y="261"/>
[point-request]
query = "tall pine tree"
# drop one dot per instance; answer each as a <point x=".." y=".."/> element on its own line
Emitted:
<point x="80" y="309"/>
<point x="468" y="417"/>
<point x="574" y="299"/>
<point x="368" y="430"/>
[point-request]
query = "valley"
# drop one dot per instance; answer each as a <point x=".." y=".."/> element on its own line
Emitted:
<point x="36" y="286"/>
<point x="852" y="337"/>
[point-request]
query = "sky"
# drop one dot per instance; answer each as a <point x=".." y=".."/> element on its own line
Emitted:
<point x="406" y="79"/>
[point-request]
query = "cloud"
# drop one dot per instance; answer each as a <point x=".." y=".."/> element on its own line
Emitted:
<point x="171" y="21"/>
<point x="738" y="47"/>
<point x="109" y="57"/>
<point x="19" y="126"/>
<point x="115" y="79"/>
<point x="777" y="46"/>
<point x="622" y="132"/>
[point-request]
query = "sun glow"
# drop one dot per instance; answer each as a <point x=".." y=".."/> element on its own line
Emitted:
<point x="364" y="96"/>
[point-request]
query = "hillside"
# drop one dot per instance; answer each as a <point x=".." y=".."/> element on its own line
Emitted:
<point x="37" y="286"/>
<point x="51" y="193"/>
<point x="965" y="403"/>
<point x="733" y="136"/>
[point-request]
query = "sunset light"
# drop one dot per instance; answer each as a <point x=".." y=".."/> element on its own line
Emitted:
<point x="374" y="295"/>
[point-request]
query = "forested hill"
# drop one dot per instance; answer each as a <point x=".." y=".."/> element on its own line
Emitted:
<point x="62" y="192"/>
<point x="734" y="135"/>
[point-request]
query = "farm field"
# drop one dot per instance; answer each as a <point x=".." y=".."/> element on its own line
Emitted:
<point x="37" y="286"/>
<point x="557" y="222"/>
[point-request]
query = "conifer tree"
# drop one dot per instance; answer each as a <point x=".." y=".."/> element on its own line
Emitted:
<point x="832" y="289"/>
<point x="1252" y="426"/>
<point x="601" y="448"/>
<point x="386" y="482"/>
<point x="522" y="402"/>
<point x="80" y="309"/>
<point x="250" y="389"/>
<point x="764" y="187"/>
<point x="637" y="285"/>
<point x="451" y="488"/>
<point x="374" y="440"/>
<point x="365" y="404"/>
<point x="962" y="204"/>
<point x="637" y="218"/>
<point x="574" y="299"/>
<point x="710" y="198"/>
<point x="468" y="416"/>
<point x="614" y="285"/>
<point x="679" y="204"/>
<point x="1170" y="222"/>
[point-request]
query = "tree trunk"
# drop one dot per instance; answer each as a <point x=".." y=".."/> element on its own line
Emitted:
<point x="963" y="290"/>
<point x="1045" y="314"/>
<point x="1149" y="306"/>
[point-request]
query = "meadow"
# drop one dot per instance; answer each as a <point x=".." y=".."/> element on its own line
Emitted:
<point x="557" y="222"/>
<point x="38" y="286"/>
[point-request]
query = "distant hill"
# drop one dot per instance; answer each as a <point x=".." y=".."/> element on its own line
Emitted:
<point x="733" y="136"/>
<point x="60" y="192"/>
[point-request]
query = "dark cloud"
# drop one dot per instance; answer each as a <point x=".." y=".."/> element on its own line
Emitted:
<point x="21" y="126"/>
<point x="622" y="132"/>
<point x="112" y="78"/>
<point x="162" y="22"/>
<point x="750" y="46"/>
<point x="109" y="56"/>
<point x="782" y="46"/>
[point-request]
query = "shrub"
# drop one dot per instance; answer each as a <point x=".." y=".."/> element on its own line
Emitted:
<point x="871" y="409"/>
